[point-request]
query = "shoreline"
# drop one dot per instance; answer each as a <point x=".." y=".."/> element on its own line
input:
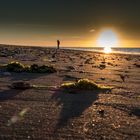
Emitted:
<point x="84" y="49"/>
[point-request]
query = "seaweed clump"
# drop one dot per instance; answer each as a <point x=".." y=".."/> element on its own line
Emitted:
<point x="21" y="85"/>
<point x="41" y="69"/>
<point x="84" y="84"/>
<point x="15" y="67"/>
<point x="19" y="67"/>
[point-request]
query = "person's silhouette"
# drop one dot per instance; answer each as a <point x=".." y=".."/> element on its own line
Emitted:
<point x="58" y="44"/>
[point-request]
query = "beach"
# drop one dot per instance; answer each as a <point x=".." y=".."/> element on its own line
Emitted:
<point x="53" y="114"/>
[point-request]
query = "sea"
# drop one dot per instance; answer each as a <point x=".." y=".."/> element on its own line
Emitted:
<point x="134" y="51"/>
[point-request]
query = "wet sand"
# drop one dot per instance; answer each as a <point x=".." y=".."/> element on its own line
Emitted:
<point x="52" y="114"/>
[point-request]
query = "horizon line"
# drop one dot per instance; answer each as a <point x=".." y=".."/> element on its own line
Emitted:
<point x="21" y="45"/>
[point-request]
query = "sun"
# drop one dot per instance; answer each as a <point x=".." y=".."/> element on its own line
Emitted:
<point x="107" y="39"/>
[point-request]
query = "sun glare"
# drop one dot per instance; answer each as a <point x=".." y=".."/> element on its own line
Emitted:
<point x="107" y="50"/>
<point x="107" y="40"/>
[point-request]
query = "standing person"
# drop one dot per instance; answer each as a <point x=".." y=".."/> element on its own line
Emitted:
<point x="58" y="44"/>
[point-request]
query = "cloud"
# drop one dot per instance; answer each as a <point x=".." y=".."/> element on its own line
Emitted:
<point x="92" y="30"/>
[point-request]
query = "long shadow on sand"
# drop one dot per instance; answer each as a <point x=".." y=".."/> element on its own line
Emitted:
<point x="73" y="105"/>
<point x="25" y="76"/>
<point x="8" y="94"/>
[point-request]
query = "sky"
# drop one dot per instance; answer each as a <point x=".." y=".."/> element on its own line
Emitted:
<point x="76" y="23"/>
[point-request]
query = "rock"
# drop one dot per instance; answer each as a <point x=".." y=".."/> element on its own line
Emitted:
<point x="88" y="61"/>
<point x="102" y="66"/>
<point x="102" y="78"/>
<point x="21" y="85"/>
<point x="137" y="65"/>
<point x="135" y="111"/>
<point x="123" y="77"/>
<point x="81" y="65"/>
<point x="81" y="71"/>
<point x="103" y="62"/>
<point x="3" y="55"/>
<point x="70" y="68"/>
<point x="101" y="112"/>
<point x="53" y="61"/>
<point x="109" y="63"/>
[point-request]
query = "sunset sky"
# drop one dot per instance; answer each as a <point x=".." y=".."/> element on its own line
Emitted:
<point x="77" y="23"/>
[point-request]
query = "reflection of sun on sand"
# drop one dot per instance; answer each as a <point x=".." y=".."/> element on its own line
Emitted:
<point x="107" y="39"/>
